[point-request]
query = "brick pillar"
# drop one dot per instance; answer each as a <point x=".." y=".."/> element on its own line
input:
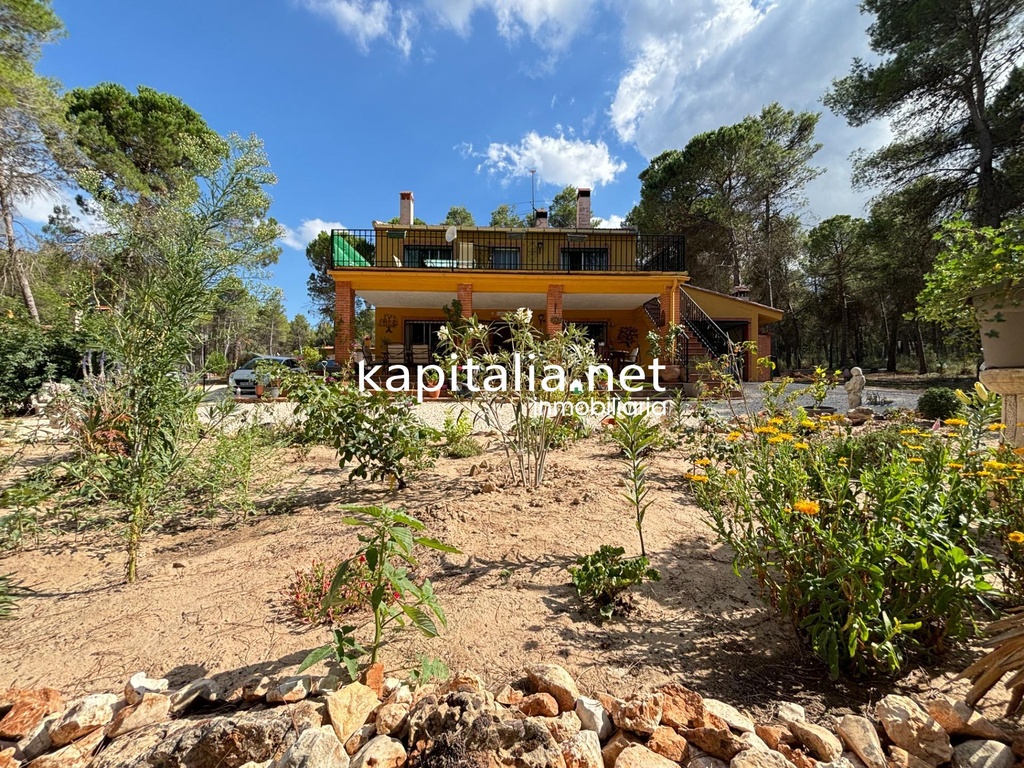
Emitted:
<point x="669" y="308"/>
<point x="466" y="299"/>
<point x="344" y="320"/>
<point x="553" y="318"/>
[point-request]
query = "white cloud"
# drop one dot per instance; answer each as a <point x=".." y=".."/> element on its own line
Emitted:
<point x="557" y="159"/>
<point x="551" y="24"/>
<point x="300" y="237"/>
<point x="702" y="64"/>
<point x="612" y="222"/>
<point x="39" y="207"/>
<point x="363" y="20"/>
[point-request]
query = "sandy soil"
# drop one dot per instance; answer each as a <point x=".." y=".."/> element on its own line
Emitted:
<point x="209" y="599"/>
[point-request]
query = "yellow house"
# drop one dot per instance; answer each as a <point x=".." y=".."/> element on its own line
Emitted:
<point x="618" y="283"/>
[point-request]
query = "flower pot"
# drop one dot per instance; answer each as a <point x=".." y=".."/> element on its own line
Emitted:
<point x="274" y="392"/>
<point x="431" y="395"/>
<point x="1001" y="318"/>
<point x="259" y="390"/>
<point x="671" y="373"/>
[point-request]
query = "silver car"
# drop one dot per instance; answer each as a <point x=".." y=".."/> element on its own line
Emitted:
<point x="243" y="380"/>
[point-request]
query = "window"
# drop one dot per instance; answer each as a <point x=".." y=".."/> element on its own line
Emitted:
<point x="428" y="256"/>
<point x="584" y="259"/>
<point x="505" y="258"/>
<point x="422" y="332"/>
<point x="596" y="332"/>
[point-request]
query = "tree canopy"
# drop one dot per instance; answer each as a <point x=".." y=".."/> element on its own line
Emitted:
<point x="459" y="216"/>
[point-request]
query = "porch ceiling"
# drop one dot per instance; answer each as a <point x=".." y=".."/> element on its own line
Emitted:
<point x="494" y="300"/>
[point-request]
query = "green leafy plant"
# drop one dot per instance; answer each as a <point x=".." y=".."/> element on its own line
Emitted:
<point x="20" y="511"/>
<point x="821" y="383"/>
<point x="601" y="578"/>
<point x="458" y="440"/>
<point x="429" y="669"/>
<point x="10" y="592"/>
<point x="30" y="356"/>
<point x="637" y="437"/>
<point x="390" y="541"/>
<point x="217" y="364"/>
<point x="938" y="403"/>
<point x="662" y="346"/>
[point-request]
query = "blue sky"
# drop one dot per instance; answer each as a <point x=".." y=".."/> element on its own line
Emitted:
<point x="457" y="99"/>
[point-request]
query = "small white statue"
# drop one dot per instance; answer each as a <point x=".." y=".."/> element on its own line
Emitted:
<point x="854" y="387"/>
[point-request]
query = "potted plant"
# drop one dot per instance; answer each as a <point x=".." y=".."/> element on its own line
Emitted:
<point x="977" y="282"/>
<point x="430" y="378"/>
<point x="821" y="382"/>
<point x="663" y="347"/>
<point x="270" y="377"/>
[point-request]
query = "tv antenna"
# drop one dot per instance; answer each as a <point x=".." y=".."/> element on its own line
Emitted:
<point x="533" y="177"/>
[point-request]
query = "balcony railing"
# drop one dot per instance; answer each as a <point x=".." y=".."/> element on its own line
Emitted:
<point x="537" y="250"/>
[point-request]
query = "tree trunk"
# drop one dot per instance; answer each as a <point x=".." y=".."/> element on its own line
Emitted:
<point x="893" y="342"/>
<point x="17" y="266"/>
<point x="922" y="363"/>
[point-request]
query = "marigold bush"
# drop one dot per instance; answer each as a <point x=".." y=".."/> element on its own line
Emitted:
<point x="874" y="555"/>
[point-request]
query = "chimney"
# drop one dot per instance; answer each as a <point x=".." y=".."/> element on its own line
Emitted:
<point x="542" y="218"/>
<point x="740" y="292"/>
<point x="405" y="209"/>
<point x="583" y="208"/>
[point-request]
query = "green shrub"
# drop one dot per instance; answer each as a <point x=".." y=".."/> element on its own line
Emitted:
<point x="637" y="437"/>
<point x="458" y="441"/>
<point x="309" y="588"/>
<point x="938" y="403"/>
<point x="30" y="356"/>
<point x="601" y="578"/>
<point x="217" y="363"/>
<point x="873" y="564"/>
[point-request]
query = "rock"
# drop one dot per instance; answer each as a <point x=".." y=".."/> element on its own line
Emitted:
<point x="958" y="719"/>
<point x="913" y="729"/>
<point x="583" y="751"/>
<point x="257" y="736"/>
<point x="616" y="744"/>
<point x="255" y="688"/>
<point x="28" y="707"/>
<point x="349" y="708"/>
<point x="391" y="719"/>
<point x="139" y="684"/>
<point x="392" y="684"/>
<point x="508" y="696"/>
<point x="594" y="717"/>
<point x="373" y="678"/>
<point x="75" y="755"/>
<point x="853" y="760"/>
<point x="290" y="690"/>
<point x="315" y="748"/>
<point x="358" y="739"/>
<point x="151" y="708"/>
<point x="982" y="753"/>
<point x="797" y="757"/>
<point x="467" y="682"/>
<point x="759" y="758"/>
<point x="717" y="742"/>
<point x="84" y="716"/>
<point x="554" y="680"/>
<point x="488" y="487"/>
<point x="640" y="713"/>
<point x="400" y="695"/>
<point x="380" y="752"/>
<point x="860" y="736"/>
<point x="7" y="759"/>
<point x="539" y="704"/>
<point x="327" y="684"/>
<point x="753" y="741"/>
<point x="203" y="688"/>
<point x="639" y="756"/>
<point x="683" y="709"/>
<point x="699" y="759"/>
<point x="736" y="719"/>
<point x="667" y="743"/>
<point x="773" y="735"/>
<point x="900" y="758"/>
<point x="791" y="713"/>
<point x="563" y="727"/>
<point x="38" y="741"/>
<point x="822" y="742"/>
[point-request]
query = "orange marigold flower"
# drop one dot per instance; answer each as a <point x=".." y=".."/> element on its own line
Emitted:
<point x="955" y="465"/>
<point x="732" y="437"/>
<point x="801" y="446"/>
<point x="996" y="427"/>
<point x="916" y="460"/>
<point x="1016" y="537"/>
<point x="807" y="506"/>
<point x="703" y="462"/>
<point x="956" y="423"/>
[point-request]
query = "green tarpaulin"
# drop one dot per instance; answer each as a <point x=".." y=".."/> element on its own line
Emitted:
<point x="344" y="255"/>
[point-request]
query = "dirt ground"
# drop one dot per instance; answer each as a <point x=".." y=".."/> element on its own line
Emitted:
<point x="209" y="599"/>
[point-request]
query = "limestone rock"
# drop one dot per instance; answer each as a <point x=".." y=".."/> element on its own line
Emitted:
<point x="667" y="743"/>
<point x="616" y="744"/>
<point x="314" y="748"/>
<point x="77" y="754"/>
<point x="900" y="758"/>
<point x="151" y="708"/>
<point x="594" y="717"/>
<point x="736" y="719"/>
<point x="759" y="758"/>
<point x="290" y="690"/>
<point x="84" y="716"/>
<point x="38" y="741"/>
<point x="822" y="742"/>
<point x="203" y="688"/>
<point x="717" y="742"/>
<point x="466" y="682"/>
<point x="401" y="694"/>
<point x="139" y="684"/>
<point x="639" y="756"/>
<point x="563" y="727"/>
<point x="255" y="688"/>
<point x="583" y="751"/>
<point x="958" y="719"/>
<point x="7" y="759"/>
<point x="358" y="739"/>
<point x="640" y="713"/>
<point x="982" y="753"/>
<point x="508" y="696"/>
<point x="699" y="759"/>
<point x="684" y="709"/>
<point x="539" y="705"/>
<point x="753" y="741"/>
<point x="28" y="707"/>
<point x="380" y="752"/>
<point x="391" y="719"/>
<point x="853" y="760"/>
<point x="554" y="680"/>
<point x="860" y="736"/>
<point x="791" y="713"/>
<point x="349" y="708"/>
<point x="797" y="757"/>
<point x="913" y="729"/>
<point x="773" y="735"/>
<point x="373" y="678"/>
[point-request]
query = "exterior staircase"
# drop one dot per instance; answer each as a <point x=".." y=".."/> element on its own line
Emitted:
<point x="703" y="340"/>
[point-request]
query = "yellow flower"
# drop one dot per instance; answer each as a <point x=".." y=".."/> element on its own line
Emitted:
<point x="801" y="446"/>
<point x="696" y="478"/>
<point x="842" y="461"/>
<point x="703" y="462"/>
<point x="807" y="506"/>
<point x="1016" y="537"/>
<point x="765" y="430"/>
<point x="1019" y="451"/>
<point x="776" y="421"/>
<point x="955" y="465"/>
<point x="808" y="424"/>
<point x="786" y="436"/>
<point x="983" y="473"/>
<point x="996" y="427"/>
<point x="956" y="423"/>
<point x="908" y="431"/>
<point x="996" y="465"/>
<point x="732" y="471"/>
<point x="916" y="460"/>
<point x="775" y="440"/>
<point x="732" y="437"/>
<point x="914" y="447"/>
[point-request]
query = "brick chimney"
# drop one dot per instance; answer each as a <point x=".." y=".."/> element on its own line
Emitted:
<point x="740" y="292"/>
<point x="405" y="209"/>
<point x="583" y="208"/>
<point x="542" y="218"/>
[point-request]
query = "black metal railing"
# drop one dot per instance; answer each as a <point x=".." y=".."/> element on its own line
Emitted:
<point x="703" y="327"/>
<point x="538" y="250"/>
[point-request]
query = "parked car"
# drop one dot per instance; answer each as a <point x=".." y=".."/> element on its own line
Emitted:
<point x="244" y="379"/>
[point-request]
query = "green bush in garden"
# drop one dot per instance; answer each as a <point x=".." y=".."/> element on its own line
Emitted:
<point x="458" y="440"/>
<point x="873" y="554"/>
<point x="602" y="577"/>
<point x="30" y="356"/>
<point x="938" y="403"/>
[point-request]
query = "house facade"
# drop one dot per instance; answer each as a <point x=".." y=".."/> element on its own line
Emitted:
<point x="616" y="283"/>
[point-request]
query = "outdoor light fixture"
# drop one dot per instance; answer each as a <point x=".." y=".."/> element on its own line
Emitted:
<point x="396" y="234"/>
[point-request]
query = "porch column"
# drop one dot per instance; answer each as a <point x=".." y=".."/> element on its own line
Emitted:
<point x="465" y="296"/>
<point x="669" y="308"/>
<point x="553" y="318"/>
<point x="344" y="320"/>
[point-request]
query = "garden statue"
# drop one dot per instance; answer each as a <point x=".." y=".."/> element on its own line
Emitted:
<point x="854" y="387"/>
